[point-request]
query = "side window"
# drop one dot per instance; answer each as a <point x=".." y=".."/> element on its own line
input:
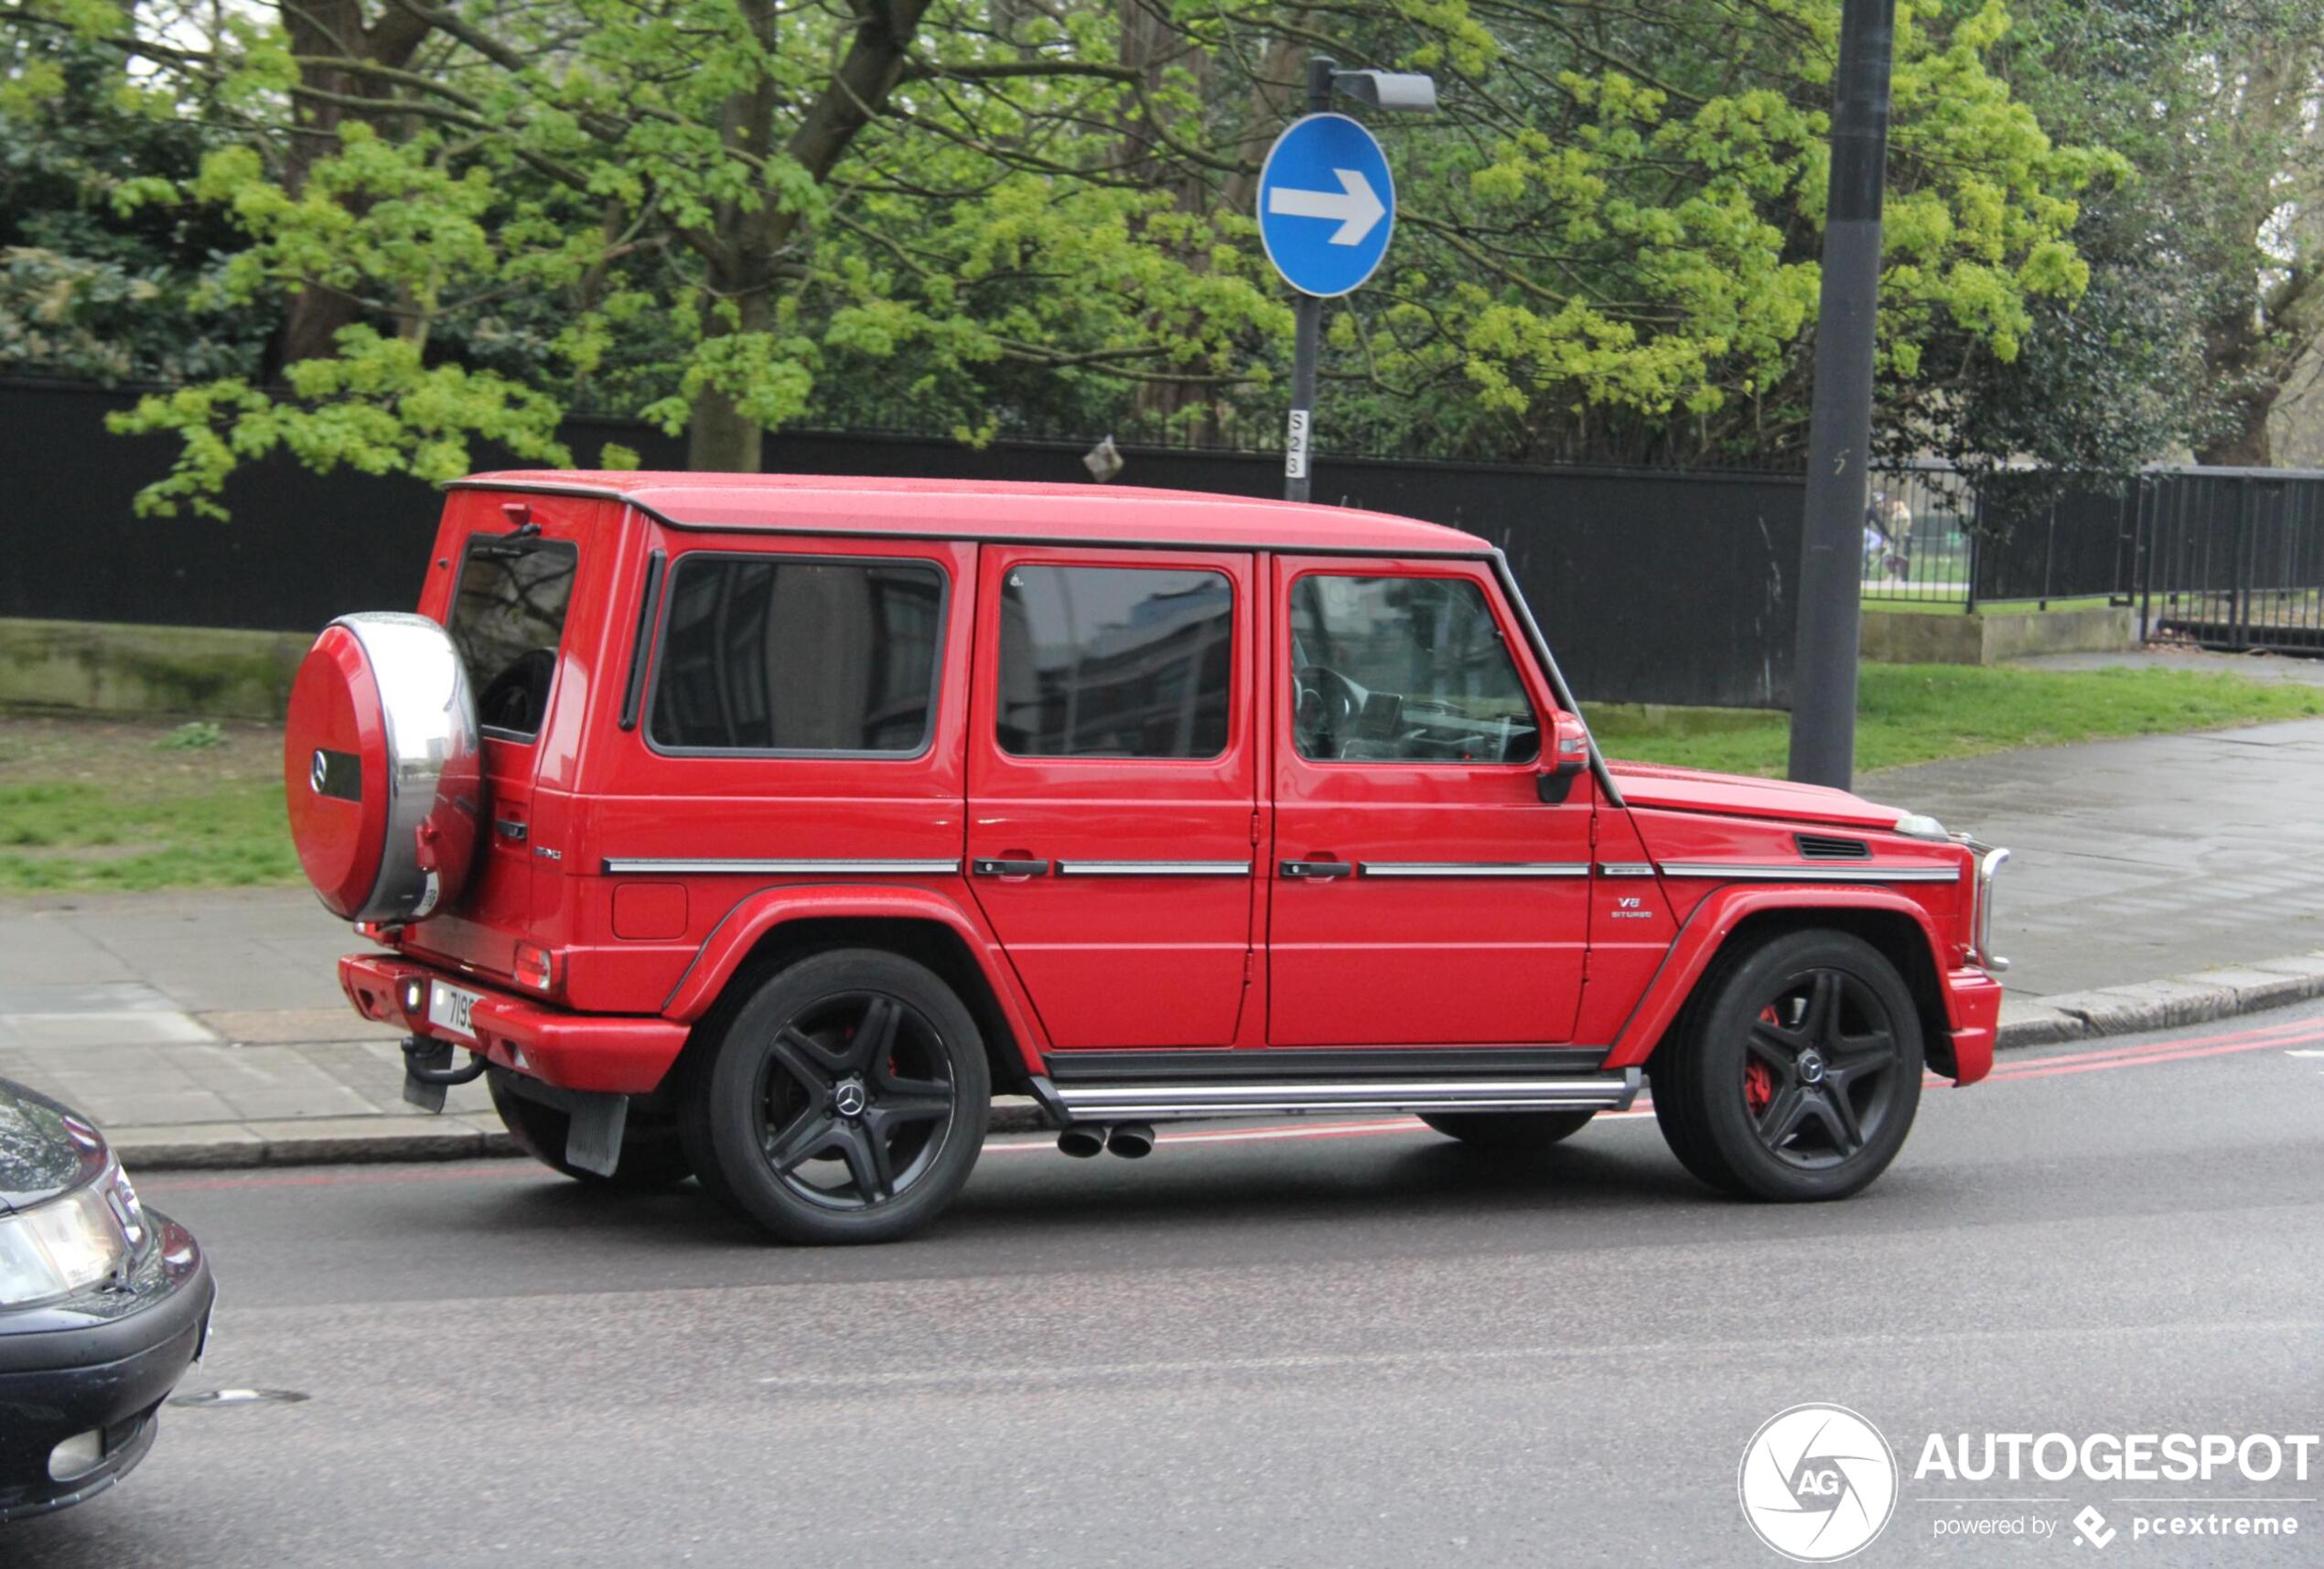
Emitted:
<point x="1102" y="662"/>
<point x="1404" y="670"/>
<point x="769" y="653"/>
<point x="507" y="618"/>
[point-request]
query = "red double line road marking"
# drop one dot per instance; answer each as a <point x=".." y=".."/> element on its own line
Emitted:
<point x="2294" y="1033"/>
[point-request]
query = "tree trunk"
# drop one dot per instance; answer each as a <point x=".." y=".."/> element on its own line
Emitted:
<point x="721" y="438"/>
<point x="747" y="248"/>
<point x="2246" y="444"/>
<point x="320" y="29"/>
<point x="1154" y="46"/>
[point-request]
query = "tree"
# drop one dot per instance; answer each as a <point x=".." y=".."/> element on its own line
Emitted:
<point x="984" y="214"/>
<point x="86" y="288"/>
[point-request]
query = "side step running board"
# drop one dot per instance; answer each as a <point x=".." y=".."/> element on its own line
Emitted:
<point x="1156" y="1101"/>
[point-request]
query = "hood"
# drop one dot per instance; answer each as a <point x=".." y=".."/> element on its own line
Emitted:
<point x="45" y="1150"/>
<point x="1695" y="789"/>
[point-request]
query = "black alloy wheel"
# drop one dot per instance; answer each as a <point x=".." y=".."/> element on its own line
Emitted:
<point x="1794" y="1071"/>
<point x="845" y="1099"/>
<point x="1820" y="1070"/>
<point x="854" y="1098"/>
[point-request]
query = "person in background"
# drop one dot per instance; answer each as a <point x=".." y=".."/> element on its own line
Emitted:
<point x="1897" y="524"/>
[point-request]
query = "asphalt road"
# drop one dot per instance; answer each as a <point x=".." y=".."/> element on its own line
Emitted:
<point x="1348" y="1345"/>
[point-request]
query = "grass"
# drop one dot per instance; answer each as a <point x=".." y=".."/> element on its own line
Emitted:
<point x="137" y="804"/>
<point x="1920" y="714"/>
<point x="92" y="804"/>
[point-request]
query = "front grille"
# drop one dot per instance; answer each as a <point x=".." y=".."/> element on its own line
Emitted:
<point x="1821" y="847"/>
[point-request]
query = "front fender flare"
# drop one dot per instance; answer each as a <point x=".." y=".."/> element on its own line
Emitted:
<point x="756" y="915"/>
<point x="1714" y="920"/>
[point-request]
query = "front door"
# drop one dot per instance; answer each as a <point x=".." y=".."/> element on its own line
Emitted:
<point x="1424" y="894"/>
<point x="1113" y="787"/>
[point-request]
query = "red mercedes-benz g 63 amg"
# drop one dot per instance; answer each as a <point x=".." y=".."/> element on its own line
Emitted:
<point x="761" y="828"/>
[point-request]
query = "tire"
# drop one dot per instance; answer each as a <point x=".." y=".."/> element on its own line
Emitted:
<point x="1795" y="1072"/>
<point x="651" y="1158"/>
<point x="1507" y="1130"/>
<point x="765" y="1116"/>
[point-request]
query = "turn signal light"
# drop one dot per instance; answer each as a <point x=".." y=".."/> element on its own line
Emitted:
<point x="536" y="968"/>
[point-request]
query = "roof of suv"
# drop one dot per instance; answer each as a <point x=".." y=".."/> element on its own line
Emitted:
<point x="990" y="510"/>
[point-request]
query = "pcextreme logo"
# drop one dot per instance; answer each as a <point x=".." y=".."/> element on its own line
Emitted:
<point x="1818" y="1483"/>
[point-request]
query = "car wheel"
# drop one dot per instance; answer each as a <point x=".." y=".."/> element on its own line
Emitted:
<point x="1795" y="1073"/>
<point x="1507" y="1129"/>
<point x="845" y="1102"/>
<point x="649" y="1154"/>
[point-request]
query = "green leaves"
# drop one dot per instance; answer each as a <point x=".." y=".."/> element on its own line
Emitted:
<point x="375" y="407"/>
<point x="738" y="214"/>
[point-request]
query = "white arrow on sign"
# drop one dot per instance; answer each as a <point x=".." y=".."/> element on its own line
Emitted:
<point x="1354" y="205"/>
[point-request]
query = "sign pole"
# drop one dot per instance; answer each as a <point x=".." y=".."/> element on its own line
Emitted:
<point x="1303" y="398"/>
<point x="1300" y="431"/>
<point x="1824" y="669"/>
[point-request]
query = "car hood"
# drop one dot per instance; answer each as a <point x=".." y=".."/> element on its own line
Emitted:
<point x="1695" y="789"/>
<point x="45" y="1149"/>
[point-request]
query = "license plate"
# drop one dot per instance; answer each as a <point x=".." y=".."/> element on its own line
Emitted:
<point x="449" y="1009"/>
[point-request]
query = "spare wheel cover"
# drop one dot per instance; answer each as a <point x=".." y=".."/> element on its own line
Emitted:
<point x="379" y="767"/>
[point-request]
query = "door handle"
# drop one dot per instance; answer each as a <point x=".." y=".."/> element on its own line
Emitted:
<point x="1318" y="871"/>
<point x="997" y="868"/>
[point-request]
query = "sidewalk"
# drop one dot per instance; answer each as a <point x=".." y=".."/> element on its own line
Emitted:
<point x="208" y="1028"/>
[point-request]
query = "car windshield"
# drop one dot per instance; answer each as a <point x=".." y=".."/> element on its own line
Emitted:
<point x="507" y="618"/>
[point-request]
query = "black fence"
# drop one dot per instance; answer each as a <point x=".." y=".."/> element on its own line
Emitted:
<point x="1936" y="536"/>
<point x="1654" y="587"/>
<point x="2232" y="558"/>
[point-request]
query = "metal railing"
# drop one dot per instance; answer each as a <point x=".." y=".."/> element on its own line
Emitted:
<point x="1936" y="536"/>
<point x="2232" y="558"/>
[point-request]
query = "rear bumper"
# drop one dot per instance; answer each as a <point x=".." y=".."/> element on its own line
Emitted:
<point x="1976" y="1021"/>
<point x="620" y="1054"/>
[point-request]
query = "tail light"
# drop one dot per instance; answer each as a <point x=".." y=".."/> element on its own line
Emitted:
<point x="536" y="968"/>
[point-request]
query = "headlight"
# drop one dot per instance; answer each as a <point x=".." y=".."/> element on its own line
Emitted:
<point x="1918" y="825"/>
<point x="66" y="1245"/>
<point x="1989" y="865"/>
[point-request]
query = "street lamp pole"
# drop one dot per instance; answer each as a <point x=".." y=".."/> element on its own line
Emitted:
<point x="1309" y="313"/>
<point x="1824" y="671"/>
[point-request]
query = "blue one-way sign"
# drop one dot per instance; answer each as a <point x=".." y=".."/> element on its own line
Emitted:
<point x="1327" y="205"/>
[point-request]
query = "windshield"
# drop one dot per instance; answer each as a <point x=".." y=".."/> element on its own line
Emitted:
<point x="507" y="618"/>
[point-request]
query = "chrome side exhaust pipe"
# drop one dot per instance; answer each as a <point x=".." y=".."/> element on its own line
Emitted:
<point x="1131" y="1141"/>
<point x="1083" y="1141"/>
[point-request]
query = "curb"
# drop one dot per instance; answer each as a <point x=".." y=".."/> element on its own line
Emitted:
<point x="2132" y="1009"/>
<point x="2167" y="1004"/>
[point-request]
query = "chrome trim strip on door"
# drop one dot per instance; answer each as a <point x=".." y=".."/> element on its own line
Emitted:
<point x="1740" y="872"/>
<point x="1474" y="868"/>
<point x="1156" y="1101"/>
<point x="1626" y="868"/>
<point x="1154" y="868"/>
<point x="712" y="866"/>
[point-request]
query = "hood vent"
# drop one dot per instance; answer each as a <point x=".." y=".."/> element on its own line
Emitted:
<point x="1821" y="847"/>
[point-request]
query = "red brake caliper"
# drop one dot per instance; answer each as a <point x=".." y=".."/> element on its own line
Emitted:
<point x="1759" y="1084"/>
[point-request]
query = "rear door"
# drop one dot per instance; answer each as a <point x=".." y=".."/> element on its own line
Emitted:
<point x="1112" y="787"/>
<point x="1424" y="894"/>
<point x="517" y="575"/>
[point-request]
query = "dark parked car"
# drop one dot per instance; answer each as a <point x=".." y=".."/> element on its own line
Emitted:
<point x="102" y="1307"/>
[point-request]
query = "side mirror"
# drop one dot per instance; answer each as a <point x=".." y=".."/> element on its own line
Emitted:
<point x="1568" y="760"/>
